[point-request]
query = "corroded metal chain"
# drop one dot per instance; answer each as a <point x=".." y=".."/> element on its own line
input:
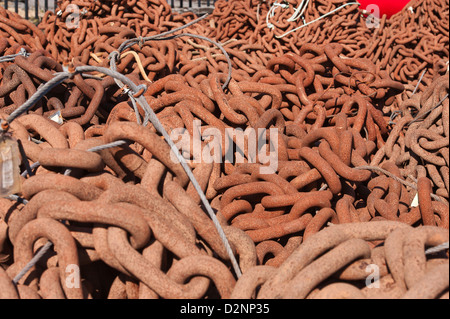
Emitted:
<point x="324" y="151"/>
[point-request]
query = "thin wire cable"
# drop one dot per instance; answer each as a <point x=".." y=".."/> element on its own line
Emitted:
<point x="136" y="111"/>
<point x="17" y="198"/>
<point x="41" y="91"/>
<point x="420" y="80"/>
<point x="150" y="114"/>
<point x="106" y="146"/>
<point x="419" y="117"/>
<point x="32" y="262"/>
<point x="438" y="248"/>
<point x="49" y="244"/>
<point x="12" y="57"/>
<point x="32" y="167"/>
<point x="99" y="148"/>
<point x="61" y="77"/>
<point x="116" y="54"/>
<point x="379" y="169"/>
<point x="158" y="126"/>
<point x="122" y="80"/>
<point x="129" y="43"/>
<point x="321" y="17"/>
<point x="396" y="113"/>
<point x="227" y="81"/>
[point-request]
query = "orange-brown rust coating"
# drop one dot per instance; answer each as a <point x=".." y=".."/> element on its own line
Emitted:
<point x="64" y="244"/>
<point x="151" y="141"/>
<point x="361" y="117"/>
<point x="71" y="158"/>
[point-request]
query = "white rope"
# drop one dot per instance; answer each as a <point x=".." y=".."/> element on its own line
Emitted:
<point x="297" y="14"/>
<point x="271" y="12"/>
<point x="321" y="17"/>
<point x="437" y="249"/>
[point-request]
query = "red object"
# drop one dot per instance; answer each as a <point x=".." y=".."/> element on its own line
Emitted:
<point x="388" y="7"/>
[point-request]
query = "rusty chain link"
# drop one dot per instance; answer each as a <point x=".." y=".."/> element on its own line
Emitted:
<point x="361" y="116"/>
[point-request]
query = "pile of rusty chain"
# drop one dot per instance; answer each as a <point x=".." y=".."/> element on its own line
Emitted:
<point x="17" y="33"/>
<point x="411" y="42"/>
<point x="162" y="235"/>
<point x="100" y="31"/>
<point x="132" y="220"/>
<point x="263" y="22"/>
<point x="416" y="42"/>
<point x="241" y="27"/>
<point x="77" y="100"/>
<point x="418" y="141"/>
<point x="334" y="264"/>
<point x="102" y="26"/>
